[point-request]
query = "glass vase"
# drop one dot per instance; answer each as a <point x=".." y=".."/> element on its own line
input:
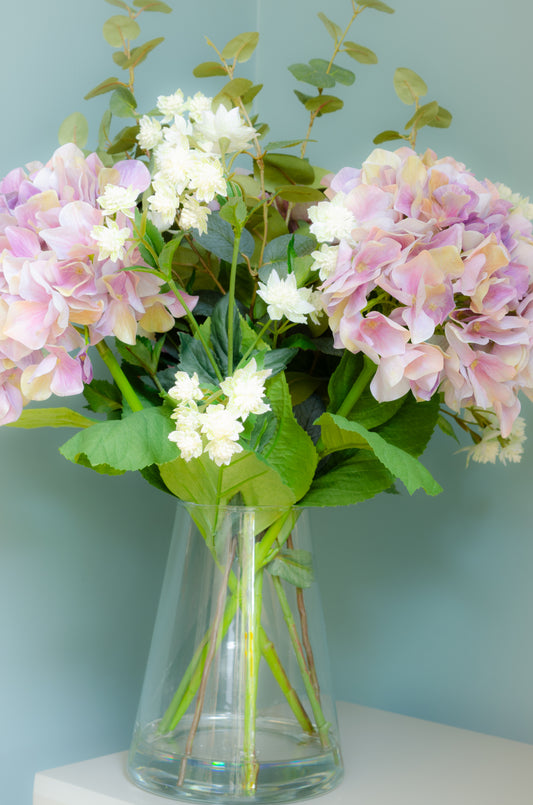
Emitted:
<point x="237" y="704"/>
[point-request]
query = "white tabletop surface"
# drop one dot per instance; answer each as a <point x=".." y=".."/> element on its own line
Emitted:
<point x="389" y="760"/>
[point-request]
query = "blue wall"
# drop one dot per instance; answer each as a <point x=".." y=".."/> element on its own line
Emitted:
<point x="428" y="601"/>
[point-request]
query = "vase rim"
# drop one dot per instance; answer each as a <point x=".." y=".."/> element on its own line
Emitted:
<point x="237" y="507"/>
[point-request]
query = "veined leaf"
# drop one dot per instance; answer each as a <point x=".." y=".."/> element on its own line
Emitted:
<point x="377" y="5"/>
<point x="236" y="88"/>
<point x="119" y="4"/>
<point x="137" y="54"/>
<point x="324" y="104"/>
<point x="315" y="76"/>
<point x="387" y="136"/>
<point x="442" y="119"/>
<point x="124" y="141"/>
<point x="152" y="5"/>
<point x="102" y="396"/>
<point x="408" y="85"/>
<point x="219" y="239"/>
<point x="74" y="129"/>
<point x="339" y="433"/>
<point x="334" y="30"/>
<point x="208" y="68"/>
<point x="423" y="115"/>
<point x="293" y="565"/>
<point x="273" y="146"/>
<point x="51" y="418"/>
<point x="353" y="480"/>
<point x="339" y="74"/>
<point x="241" y="47"/>
<point x="284" y="169"/>
<point x="120" y="29"/>
<point x="360" y="53"/>
<point x="122" y="103"/>
<point x="300" y="193"/>
<point x="106" y="86"/>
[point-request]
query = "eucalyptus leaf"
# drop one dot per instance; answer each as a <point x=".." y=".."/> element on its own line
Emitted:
<point x="74" y="129"/>
<point x="152" y="5"/>
<point x="120" y="29"/>
<point x="334" y="30"/>
<point x="378" y="5"/>
<point x="119" y="4"/>
<point x="241" y="47"/>
<point x="408" y="85"/>
<point x="442" y="119"/>
<point x="360" y="53"/>
<point x="423" y="115"/>
<point x="324" y="104"/>
<point x="387" y="136"/>
<point x="122" y="103"/>
<point x="235" y="88"/>
<point x="103" y="131"/>
<point x="339" y="74"/>
<point x="300" y="194"/>
<point x="125" y="140"/>
<point x="137" y="54"/>
<point x="302" y="97"/>
<point x="275" y="144"/>
<point x="209" y="68"/>
<point x="284" y="169"/>
<point x="106" y="86"/>
<point x="315" y="76"/>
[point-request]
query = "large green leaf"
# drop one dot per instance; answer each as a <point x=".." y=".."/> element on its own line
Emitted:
<point x="339" y="433"/>
<point x="128" y="444"/>
<point x="219" y="239"/>
<point x="357" y="478"/>
<point x="51" y="418"/>
<point x="412" y="426"/>
<point x="103" y="397"/>
<point x="219" y="334"/>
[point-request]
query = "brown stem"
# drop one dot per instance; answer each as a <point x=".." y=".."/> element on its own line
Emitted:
<point x="304" y="623"/>
<point x="208" y="660"/>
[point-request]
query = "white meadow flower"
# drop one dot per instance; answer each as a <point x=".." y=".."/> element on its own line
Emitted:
<point x="110" y="239"/>
<point x="513" y="448"/>
<point x="315" y="298"/>
<point x="211" y="127"/>
<point x="118" y="199"/>
<point x="197" y="104"/>
<point x="221" y="451"/>
<point x="150" y="133"/>
<point x="206" y="177"/>
<point x="187" y="416"/>
<point x="193" y="215"/>
<point x="283" y="298"/>
<point x="331" y="220"/>
<point x="164" y="202"/>
<point x="325" y="260"/>
<point x="186" y="388"/>
<point x="245" y="390"/>
<point x="218" y="422"/>
<point x="172" y="163"/>
<point x="179" y="132"/>
<point x="171" y="105"/>
<point x="189" y="442"/>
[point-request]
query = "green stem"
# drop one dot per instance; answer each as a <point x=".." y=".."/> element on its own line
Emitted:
<point x="119" y="377"/>
<point x="358" y="387"/>
<point x="194" y="326"/>
<point x="251" y="603"/>
<point x="231" y="302"/>
<point x="322" y="725"/>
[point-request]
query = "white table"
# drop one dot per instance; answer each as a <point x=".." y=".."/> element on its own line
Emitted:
<point x="389" y="759"/>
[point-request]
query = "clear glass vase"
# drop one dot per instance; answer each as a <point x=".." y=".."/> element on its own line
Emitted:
<point x="237" y="703"/>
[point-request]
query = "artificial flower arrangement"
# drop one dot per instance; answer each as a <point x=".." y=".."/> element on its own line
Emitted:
<point x="279" y="333"/>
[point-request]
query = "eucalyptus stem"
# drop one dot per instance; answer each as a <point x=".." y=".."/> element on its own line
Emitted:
<point x="231" y="301"/>
<point x="322" y="725"/>
<point x="119" y="377"/>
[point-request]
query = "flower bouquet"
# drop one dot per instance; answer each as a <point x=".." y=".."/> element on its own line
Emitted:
<point x="278" y="338"/>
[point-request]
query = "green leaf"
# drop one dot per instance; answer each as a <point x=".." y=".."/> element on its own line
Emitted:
<point x="219" y="334"/>
<point x="137" y="54"/>
<point x="103" y="397"/>
<point x="446" y="427"/>
<point x="334" y="30"/>
<point x="343" y="378"/>
<point x="51" y="418"/>
<point x="119" y="4"/>
<point x="193" y="359"/>
<point x="300" y="194"/>
<point x="273" y="146"/>
<point x="317" y="77"/>
<point x="234" y="211"/>
<point x="284" y="169"/>
<point x="120" y="29"/>
<point x="208" y="68"/>
<point x="128" y="444"/>
<point x="103" y="131"/>
<point x="442" y="119"/>
<point x="219" y="239"/>
<point x="353" y="480"/>
<point x="377" y="5"/>
<point x="152" y="5"/>
<point x="275" y="254"/>
<point x="235" y="88"/>
<point x="413" y="425"/>
<point x="339" y="74"/>
<point x="241" y="47"/>
<point x="122" y="103"/>
<point x="423" y="115"/>
<point x="278" y="359"/>
<point x="74" y="129"/>
<point x="302" y="97"/>
<point x="125" y="140"/>
<point x="293" y="565"/>
<point x="324" y="104"/>
<point x="106" y="86"/>
<point x="144" y="353"/>
<point x="387" y="136"/>
<point x="408" y="85"/>
<point x="167" y="253"/>
<point x="371" y="413"/>
<point x="247" y="98"/>
<point x="360" y="53"/>
<point x="339" y="433"/>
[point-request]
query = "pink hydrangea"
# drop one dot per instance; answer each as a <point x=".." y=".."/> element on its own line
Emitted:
<point x="56" y="296"/>
<point x="434" y="282"/>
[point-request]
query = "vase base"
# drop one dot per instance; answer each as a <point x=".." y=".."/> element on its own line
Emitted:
<point x="292" y="765"/>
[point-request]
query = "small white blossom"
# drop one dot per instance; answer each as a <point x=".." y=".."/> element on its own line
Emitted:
<point x="186" y="388"/>
<point x="193" y="215"/>
<point x="206" y="178"/>
<point x="331" y="220"/>
<point x="245" y="390"/>
<point x="110" y="239"/>
<point x="171" y="105"/>
<point x="197" y="104"/>
<point x="187" y="416"/>
<point x="172" y="163"/>
<point x="179" y="132"/>
<point x="118" y="199"/>
<point x="224" y="124"/>
<point x="150" y="133"/>
<point x="221" y="451"/>
<point x="163" y="203"/>
<point x="283" y="298"/>
<point x="218" y="422"/>
<point x="314" y="298"/>
<point x="513" y="448"/>
<point x="325" y="260"/>
<point x="189" y="442"/>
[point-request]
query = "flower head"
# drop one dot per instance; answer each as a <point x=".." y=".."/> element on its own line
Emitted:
<point x="284" y="298"/>
<point x="111" y="240"/>
<point x="245" y="390"/>
<point x="118" y="199"/>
